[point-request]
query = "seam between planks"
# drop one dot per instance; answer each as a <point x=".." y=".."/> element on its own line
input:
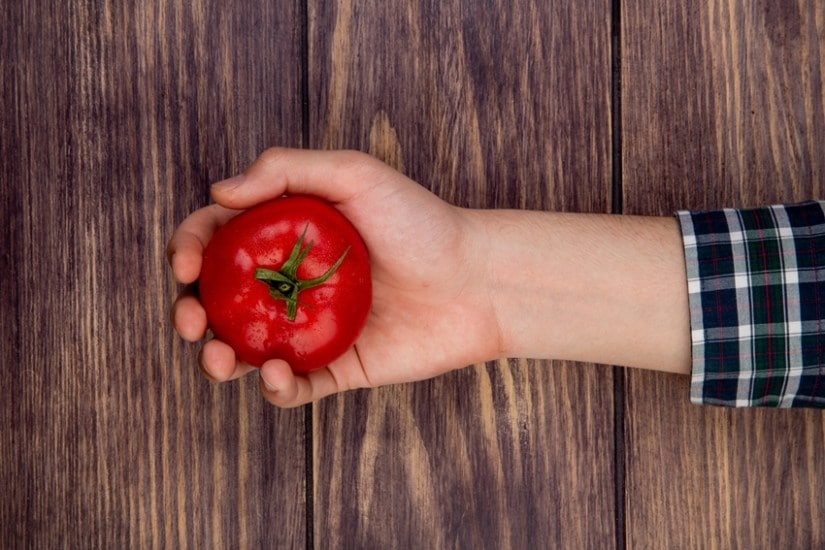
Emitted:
<point x="617" y="207"/>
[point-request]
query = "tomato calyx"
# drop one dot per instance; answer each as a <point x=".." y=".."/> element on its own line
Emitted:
<point x="285" y="285"/>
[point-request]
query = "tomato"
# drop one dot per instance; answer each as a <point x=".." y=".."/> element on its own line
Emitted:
<point x="288" y="279"/>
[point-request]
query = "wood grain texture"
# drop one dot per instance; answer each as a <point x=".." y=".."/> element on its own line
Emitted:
<point x="504" y="455"/>
<point x="11" y="225"/>
<point x="722" y="105"/>
<point x="489" y="104"/>
<point x="117" y="115"/>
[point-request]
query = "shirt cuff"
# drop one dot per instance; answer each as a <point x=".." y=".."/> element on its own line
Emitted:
<point x="756" y="288"/>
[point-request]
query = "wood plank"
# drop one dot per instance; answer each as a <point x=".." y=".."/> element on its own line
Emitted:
<point x="489" y="104"/>
<point x="722" y="106"/>
<point x="10" y="259"/>
<point x="123" y="113"/>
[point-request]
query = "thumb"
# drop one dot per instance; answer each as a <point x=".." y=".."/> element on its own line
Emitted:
<point x="332" y="175"/>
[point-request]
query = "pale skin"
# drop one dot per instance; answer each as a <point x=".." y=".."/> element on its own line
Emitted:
<point x="581" y="287"/>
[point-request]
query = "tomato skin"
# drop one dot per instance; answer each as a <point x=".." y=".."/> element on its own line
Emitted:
<point x="241" y="310"/>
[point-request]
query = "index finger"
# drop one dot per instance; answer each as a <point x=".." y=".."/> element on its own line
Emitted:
<point x="185" y="249"/>
<point x="336" y="176"/>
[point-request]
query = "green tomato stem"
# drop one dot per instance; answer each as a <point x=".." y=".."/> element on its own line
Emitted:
<point x="284" y="283"/>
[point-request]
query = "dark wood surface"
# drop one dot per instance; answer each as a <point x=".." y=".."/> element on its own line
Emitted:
<point x="117" y="115"/>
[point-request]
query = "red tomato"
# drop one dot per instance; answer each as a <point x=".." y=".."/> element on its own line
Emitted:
<point x="287" y="279"/>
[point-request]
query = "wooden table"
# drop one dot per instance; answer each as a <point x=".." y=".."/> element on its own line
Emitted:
<point x="116" y="115"/>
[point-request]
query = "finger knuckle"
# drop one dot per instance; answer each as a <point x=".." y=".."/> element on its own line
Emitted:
<point x="354" y="161"/>
<point x="272" y="155"/>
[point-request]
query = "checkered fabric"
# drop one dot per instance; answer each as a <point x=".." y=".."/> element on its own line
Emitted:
<point x="756" y="284"/>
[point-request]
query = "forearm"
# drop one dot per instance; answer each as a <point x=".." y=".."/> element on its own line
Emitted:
<point x="585" y="287"/>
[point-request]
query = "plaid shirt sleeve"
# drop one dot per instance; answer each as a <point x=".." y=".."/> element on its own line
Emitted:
<point x="756" y="286"/>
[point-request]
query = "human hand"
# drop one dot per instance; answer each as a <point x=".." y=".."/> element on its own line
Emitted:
<point x="431" y="310"/>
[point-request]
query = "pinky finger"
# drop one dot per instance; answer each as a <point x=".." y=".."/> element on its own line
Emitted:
<point x="188" y="316"/>
<point x="218" y="362"/>
<point x="281" y="387"/>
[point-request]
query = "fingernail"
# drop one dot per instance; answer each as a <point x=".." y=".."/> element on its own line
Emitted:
<point x="267" y="384"/>
<point x="230" y="183"/>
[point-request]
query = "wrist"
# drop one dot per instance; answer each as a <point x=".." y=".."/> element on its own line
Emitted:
<point x="526" y="281"/>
